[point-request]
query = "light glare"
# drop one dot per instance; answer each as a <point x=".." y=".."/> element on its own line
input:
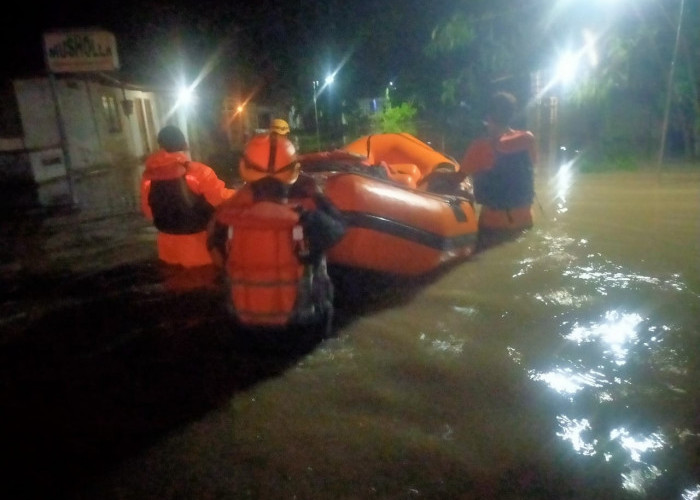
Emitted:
<point x="566" y="68"/>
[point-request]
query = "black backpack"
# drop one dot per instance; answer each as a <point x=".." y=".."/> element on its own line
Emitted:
<point x="176" y="208"/>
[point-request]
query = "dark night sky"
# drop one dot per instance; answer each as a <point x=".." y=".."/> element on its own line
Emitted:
<point x="381" y="37"/>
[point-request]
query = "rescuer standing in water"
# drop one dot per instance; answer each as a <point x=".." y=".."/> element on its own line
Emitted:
<point x="180" y="195"/>
<point x="502" y="167"/>
<point x="271" y="238"/>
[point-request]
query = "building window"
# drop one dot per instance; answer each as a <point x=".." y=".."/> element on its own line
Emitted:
<point x="109" y="107"/>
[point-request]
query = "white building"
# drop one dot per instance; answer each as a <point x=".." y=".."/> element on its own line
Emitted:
<point x="105" y="123"/>
<point x="80" y="123"/>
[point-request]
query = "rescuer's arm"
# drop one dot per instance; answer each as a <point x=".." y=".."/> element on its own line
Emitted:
<point x="478" y="157"/>
<point x="210" y="186"/>
<point x="324" y="226"/>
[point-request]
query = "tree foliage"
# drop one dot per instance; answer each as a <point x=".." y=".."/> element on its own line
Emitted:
<point x="481" y="47"/>
<point x="617" y="104"/>
<point x="395" y="119"/>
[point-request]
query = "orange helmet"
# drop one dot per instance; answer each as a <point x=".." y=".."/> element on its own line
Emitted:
<point x="269" y="155"/>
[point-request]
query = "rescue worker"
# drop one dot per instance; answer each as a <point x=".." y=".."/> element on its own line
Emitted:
<point x="279" y="127"/>
<point x="271" y="238"/>
<point x="502" y="167"/>
<point x="179" y="195"/>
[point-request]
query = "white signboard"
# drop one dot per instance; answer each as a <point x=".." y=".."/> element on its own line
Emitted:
<point x="79" y="51"/>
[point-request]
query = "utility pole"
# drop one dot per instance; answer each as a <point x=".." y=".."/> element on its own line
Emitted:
<point x="669" y="90"/>
<point x="318" y="135"/>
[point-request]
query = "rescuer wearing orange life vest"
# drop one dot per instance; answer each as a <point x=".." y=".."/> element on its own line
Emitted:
<point x="179" y="195"/>
<point x="502" y="167"/>
<point x="271" y="238"/>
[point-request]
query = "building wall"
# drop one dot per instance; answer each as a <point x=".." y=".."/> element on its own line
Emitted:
<point x="106" y="125"/>
<point x="41" y="134"/>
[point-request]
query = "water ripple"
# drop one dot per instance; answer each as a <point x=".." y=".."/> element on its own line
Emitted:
<point x="614" y="276"/>
<point x="451" y="345"/>
<point x="617" y="330"/>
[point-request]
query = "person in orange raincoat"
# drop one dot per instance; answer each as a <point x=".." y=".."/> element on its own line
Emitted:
<point x="180" y="195"/>
<point x="502" y="168"/>
<point x="271" y="239"/>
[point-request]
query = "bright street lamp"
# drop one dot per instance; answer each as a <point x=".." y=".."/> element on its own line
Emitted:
<point x="185" y="96"/>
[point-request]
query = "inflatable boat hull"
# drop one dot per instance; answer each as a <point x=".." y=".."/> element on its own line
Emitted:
<point x="398" y="230"/>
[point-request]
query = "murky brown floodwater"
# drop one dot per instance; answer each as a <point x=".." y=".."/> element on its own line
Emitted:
<point x="560" y="365"/>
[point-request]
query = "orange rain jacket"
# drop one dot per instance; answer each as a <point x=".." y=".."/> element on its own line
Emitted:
<point x="502" y="170"/>
<point x="179" y="196"/>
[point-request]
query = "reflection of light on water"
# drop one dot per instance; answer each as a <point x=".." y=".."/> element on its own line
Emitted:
<point x="687" y="433"/>
<point x="527" y="265"/>
<point x="556" y="248"/>
<point x="617" y="330"/>
<point x="636" y="480"/>
<point x="642" y="473"/>
<point x="515" y="355"/>
<point x="637" y="446"/>
<point x="553" y="248"/>
<point x="619" y="279"/>
<point x="604" y="396"/>
<point x="566" y="381"/>
<point x="572" y="430"/>
<point x="691" y="493"/>
<point x="451" y="345"/>
<point x="466" y="311"/>
<point x="562" y="298"/>
<point x="563" y="180"/>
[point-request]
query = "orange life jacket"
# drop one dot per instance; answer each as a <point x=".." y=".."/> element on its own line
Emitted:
<point x="266" y="275"/>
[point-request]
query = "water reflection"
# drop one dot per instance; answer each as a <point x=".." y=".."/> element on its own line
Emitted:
<point x="618" y="277"/>
<point x="636" y="446"/>
<point x="638" y="480"/>
<point x="641" y="474"/>
<point x="617" y="330"/>
<point x="692" y="493"/>
<point x="451" y="345"/>
<point x="567" y="381"/>
<point x="562" y="182"/>
<point x="622" y="363"/>
<point x="572" y="430"/>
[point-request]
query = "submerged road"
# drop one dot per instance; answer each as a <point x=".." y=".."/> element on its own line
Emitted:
<point x="560" y="365"/>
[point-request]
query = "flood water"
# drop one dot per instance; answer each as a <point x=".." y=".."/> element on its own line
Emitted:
<point x="560" y="365"/>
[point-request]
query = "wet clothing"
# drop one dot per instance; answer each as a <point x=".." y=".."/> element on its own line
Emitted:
<point x="503" y="177"/>
<point x="180" y="195"/>
<point x="273" y="238"/>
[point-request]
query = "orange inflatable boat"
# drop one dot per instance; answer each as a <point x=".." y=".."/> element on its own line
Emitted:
<point x="407" y="158"/>
<point x="392" y="228"/>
